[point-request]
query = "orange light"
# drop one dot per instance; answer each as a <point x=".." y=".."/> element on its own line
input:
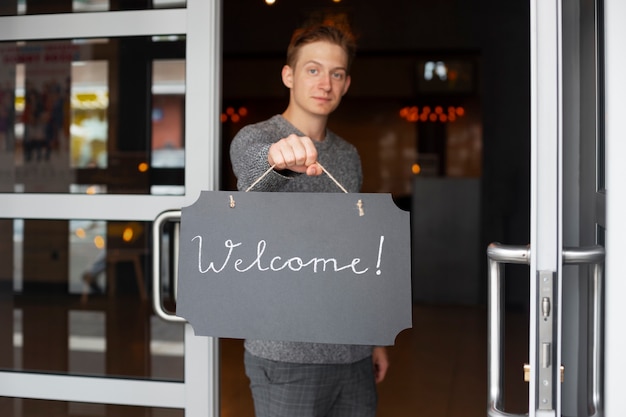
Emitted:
<point x="98" y="241"/>
<point x="433" y="117"/>
<point x="142" y="167"/>
<point x="235" y="118"/>
<point x="223" y="118"/>
<point x="452" y="117"/>
<point x="423" y="117"/>
<point x="91" y="190"/>
<point x="443" y="118"/>
<point x="416" y="169"/>
<point x="230" y="111"/>
<point x="80" y="233"/>
<point x="426" y="109"/>
<point x="127" y="234"/>
<point x="438" y="109"/>
<point x="404" y="112"/>
<point x="243" y="111"/>
<point x="460" y="111"/>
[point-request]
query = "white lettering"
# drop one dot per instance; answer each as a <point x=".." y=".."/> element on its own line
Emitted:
<point x="260" y="249"/>
<point x="276" y="263"/>
<point x="228" y="243"/>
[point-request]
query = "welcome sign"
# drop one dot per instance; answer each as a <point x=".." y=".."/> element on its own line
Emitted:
<point x="310" y="267"/>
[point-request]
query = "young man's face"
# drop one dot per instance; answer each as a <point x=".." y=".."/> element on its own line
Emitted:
<point x="318" y="79"/>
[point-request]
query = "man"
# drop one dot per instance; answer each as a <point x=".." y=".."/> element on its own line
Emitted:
<point x="287" y="153"/>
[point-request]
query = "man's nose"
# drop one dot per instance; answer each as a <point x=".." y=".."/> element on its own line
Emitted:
<point x="325" y="82"/>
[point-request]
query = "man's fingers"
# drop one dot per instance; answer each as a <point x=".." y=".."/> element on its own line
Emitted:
<point x="302" y="149"/>
<point x="310" y="151"/>
<point x="314" y="169"/>
<point x="287" y="155"/>
<point x="293" y="152"/>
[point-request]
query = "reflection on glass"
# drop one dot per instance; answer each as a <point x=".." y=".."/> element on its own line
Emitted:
<point x="94" y="116"/>
<point x="89" y="106"/>
<point x="87" y="256"/>
<point x="168" y="89"/>
<point x="77" y="301"/>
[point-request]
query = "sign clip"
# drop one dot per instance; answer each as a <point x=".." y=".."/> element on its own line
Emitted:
<point x="359" y="204"/>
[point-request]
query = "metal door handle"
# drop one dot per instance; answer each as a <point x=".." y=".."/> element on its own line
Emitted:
<point x="157" y="233"/>
<point x="498" y="255"/>
<point x="593" y="255"/>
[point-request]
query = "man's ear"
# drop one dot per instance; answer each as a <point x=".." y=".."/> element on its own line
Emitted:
<point x="346" y="85"/>
<point x="287" y="75"/>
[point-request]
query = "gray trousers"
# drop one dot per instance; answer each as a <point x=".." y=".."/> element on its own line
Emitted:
<point x="281" y="389"/>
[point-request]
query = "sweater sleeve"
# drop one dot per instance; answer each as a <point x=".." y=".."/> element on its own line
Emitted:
<point x="248" y="156"/>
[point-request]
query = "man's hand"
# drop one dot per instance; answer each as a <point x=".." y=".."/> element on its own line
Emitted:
<point x="296" y="153"/>
<point x="381" y="363"/>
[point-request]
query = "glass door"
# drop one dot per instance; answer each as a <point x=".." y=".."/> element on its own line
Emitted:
<point x="566" y="253"/>
<point x="109" y="116"/>
<point x="584" y="194"/>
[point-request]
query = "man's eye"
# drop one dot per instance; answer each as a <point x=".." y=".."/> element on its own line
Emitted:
<point x="313" y="71"/>
<point x="338" y="75"/>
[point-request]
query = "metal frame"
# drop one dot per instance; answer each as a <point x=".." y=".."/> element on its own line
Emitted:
<point x="201" y="23"/>
<point x="93" y="25"/>
<point x="92" y="389"/>
<point x="546" y="197"/>
<point x="615" y="108"/>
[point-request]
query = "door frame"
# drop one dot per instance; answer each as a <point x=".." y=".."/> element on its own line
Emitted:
<point x="612" y="200"/>
<point x="615" y="108"/>
<point x="546" y="242"/>
<point x="200" y="22"/>
<point x="555" y="178"/>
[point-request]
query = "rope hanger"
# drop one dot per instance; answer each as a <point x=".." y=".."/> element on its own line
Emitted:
<point x="321" y="166"/>
<point x="359" y="203"/>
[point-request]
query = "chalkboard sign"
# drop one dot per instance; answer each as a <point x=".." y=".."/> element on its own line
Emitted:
<point x="310" y="267"/>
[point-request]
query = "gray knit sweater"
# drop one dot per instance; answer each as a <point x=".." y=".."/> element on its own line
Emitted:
<point x="248" y="154"/>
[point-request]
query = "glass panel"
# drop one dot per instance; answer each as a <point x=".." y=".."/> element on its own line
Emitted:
<point x="600" y="88"/>
<point x="75" y="300"/>
<point x="75" y="116"/>
<point x="600" y="235"/>
<point x="19" y="7"/>
<point x="18" y="407"/>
<point x="168" y="110"/>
